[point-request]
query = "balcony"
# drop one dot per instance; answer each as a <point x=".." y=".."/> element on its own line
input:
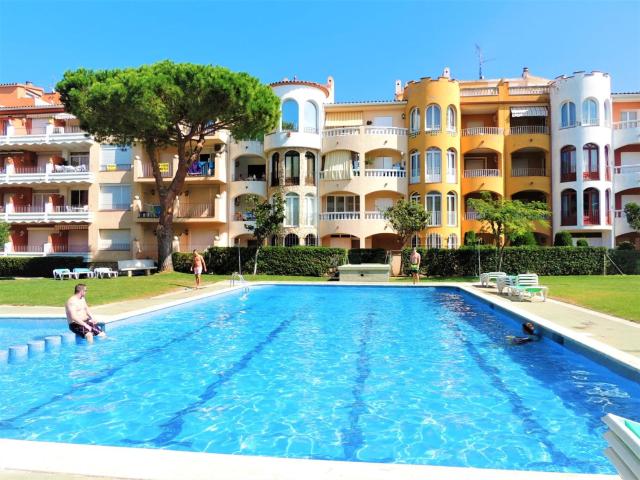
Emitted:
<point x="626" y="133"/>
<point x="384" y="172"/>
<point x="166" y="170"/>
<point x="435" y="177"/>
<point x="365" y="138"/>
<point x="367" y="180"/>
<point x="591" y="218"/>
<point x="528" y="172"/>
<point x="590" y="175"/>
<point x="242" y="186"/>
<point x="479" y="92"/>
<point x="47" y="135"/>
<point x="46" y="249"/>
<point x="482" y="172"/>
<point x="469" y="132"/>
<point x="434" y="219"/>
<point x="528" y="130"/>
<point x="482" y="138"/>
<point x="569" y="220"/>
<point x="328" y="216"/>
<point x="46" y="174"/>
<point x="45" y="214"/>
<point x="568" y="177"/>
<point x="198" y="212"/>
<point x="626" y="177"/>
<point x="539" y="90"/>
<point x="470" y="215"/>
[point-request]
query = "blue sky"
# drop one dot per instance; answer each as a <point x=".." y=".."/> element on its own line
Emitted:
<point x="365" y="46"/>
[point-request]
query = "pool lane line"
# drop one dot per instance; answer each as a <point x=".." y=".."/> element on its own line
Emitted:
<point x="518" y="406"/>
<point x="173" y="427"/>
<point x="352" y="438"/>
<point x="108" y="373"/>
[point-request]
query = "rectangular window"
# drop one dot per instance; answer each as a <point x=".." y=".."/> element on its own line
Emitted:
<point x="118" y="240"/>
<point x="383" y="121"/>
<point x="115" y="197"/>
<point x="343" y="203"/>
<point x="113" y="157"/>
<point x="79" y="159"/>
<point x="79" y="198"/>
<point x="630" y="118"/>
<point x="415" y="167"/>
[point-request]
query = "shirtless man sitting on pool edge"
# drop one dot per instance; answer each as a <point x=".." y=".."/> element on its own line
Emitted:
<point x="78" y="316"/>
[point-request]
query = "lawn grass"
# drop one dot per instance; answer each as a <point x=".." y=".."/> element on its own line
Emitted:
<point x="617" y="295"/>
<point x="54" y="293"/>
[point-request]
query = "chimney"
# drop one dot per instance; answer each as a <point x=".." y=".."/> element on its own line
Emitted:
<point x="446" y="73"/>
<point x="398" y="90"/>
<point x="525" y="72"/>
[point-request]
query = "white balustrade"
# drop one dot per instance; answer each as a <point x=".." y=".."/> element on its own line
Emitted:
<point x="472" y="216"/>
<point x="467" y="132"/>
<point x="433" y="177"/>
<point x="384" y="172"/>
<point x="385" y="131"/>
<point x="626" y="124"/>
<point x="624" y="169"/>
<point x="340" y="216"/>
<point x="528" y="172"/>
<point x="374" y="215"/>
<point x="482" y="172"/>
<point x="540" y="90"/>
<point x="478" y="92"/>
<point x="529" y="130"/>
<point x="452" y="219"/>
<point x="341" y="132"/>
<point x="365" y="130"/>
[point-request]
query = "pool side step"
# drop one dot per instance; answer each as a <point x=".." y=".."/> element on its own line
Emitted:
<point x="37" y="347"/>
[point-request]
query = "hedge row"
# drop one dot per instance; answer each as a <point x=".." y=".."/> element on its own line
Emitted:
<point x="367" y="255"/>
<point x="299" y="261"/>
<point x="36" y="266"/>
<point x="543" y="261"/>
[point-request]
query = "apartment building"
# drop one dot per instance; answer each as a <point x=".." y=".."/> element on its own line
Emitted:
<point x="440" y="141"/>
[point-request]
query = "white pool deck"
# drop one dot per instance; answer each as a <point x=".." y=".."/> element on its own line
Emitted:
<point x="615" y="338"/>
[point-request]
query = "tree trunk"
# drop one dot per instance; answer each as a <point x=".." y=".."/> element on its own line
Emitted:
<point x="164" y="234"/>
<point x="255" y="263"/>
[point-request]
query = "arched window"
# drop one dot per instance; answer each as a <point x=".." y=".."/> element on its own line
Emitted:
<point x="415" y="197"/>
<point x="309" y="209"/>
<point x="433" y="167"/>
<point x="310" y="178"/>
<point x="434" y="240"/>
<point x="452" y="166"/>
<point x="608" y="207"/>
<point x="591" y="206"/>
<point x="452" y="241"/>
<point x="291" y="240"/>
<point x="292" y="209"/>
<point x="274" y="241"/>
<point x="415" y="167"/>
<point x="568" y="115"/>
<point x="290" y="116"/>
<point x="452" y="119"/>
<point x="310" y="240"/>
<point x="590" y="112"/>
<point x="432" y="118"/>
<point x="607" y="113"/>
<point x="415" y="241"/>
<point x="568" y="164"/>
<point x="310" y="117"/>
<point x="568" y="207"/>
<point x="275" y="165"/>
<point x="452" y="209"/>
<point x="292" y="168"/>
<point x="590" y="162"/>
<point x="607" y="165"/>
<point x="433" y="205"/>
<point x="414" y="120"/>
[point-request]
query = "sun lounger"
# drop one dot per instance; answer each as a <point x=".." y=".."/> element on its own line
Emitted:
<point x="102" y="272"/>
<point x="62" y="273"/>
<point x="83" y="271"/>
<point x="623" y="438"/>
<point x="503" y="283"/>
<point x="527" y="286"/>
<point x="486" y="278"/>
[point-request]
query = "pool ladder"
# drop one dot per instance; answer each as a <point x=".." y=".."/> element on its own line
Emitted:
<point x="238" y="278"/>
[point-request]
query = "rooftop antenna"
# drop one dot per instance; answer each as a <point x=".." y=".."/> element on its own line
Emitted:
<point x="481" y="61"/>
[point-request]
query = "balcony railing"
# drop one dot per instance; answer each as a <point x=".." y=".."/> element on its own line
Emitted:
<point x="48" y="213"/>
<point x="471" y="216"/>
<point x="374" y="215"/>
<point x="528" y="172"/>
<point x="433" y="177"/>
<point x="434" y="219"/>
<point x="309" y="180"/>
<point x="591" y="175"/>
<point x="482" y="172"/>
<point x="46" y="133"/>
<point x="468" y="132"/>
<point x="238" y="177"/>
<point x="567" y="220"/>
<point x="197" y="210"/>
<point x="64" y="248"/>
<point x="114" y="247"/>
<point x="385" y="172"/>
<point x="166" y="170"/>
<point x="478" y="92"/>
<point x="340" y="216"/>
<point x="368" y="130"/>
<point x="568" y="177"/>
<point x="452" y="219"/>
<point x="28" y="248"/>
<point x="542" y="90"/>
<point x="626" y="169"/>
<point x="626" y="124"/>
<point x="591" y="218"/>
<point x="292" y="181"/>
<point x="528" y="130"/>
<point x="313" y="130"/>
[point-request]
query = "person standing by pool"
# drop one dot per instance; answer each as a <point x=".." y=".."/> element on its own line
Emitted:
<point x="198" y="266"/>
<point x="79" y="317"/>
<point x="415" y="260"/>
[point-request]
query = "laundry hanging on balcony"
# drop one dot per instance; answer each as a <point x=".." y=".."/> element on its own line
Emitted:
<point x="534" y="111"/>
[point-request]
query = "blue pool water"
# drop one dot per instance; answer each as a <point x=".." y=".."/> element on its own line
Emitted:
<point x="403" y="375"/>
<point x="15" y="332"/>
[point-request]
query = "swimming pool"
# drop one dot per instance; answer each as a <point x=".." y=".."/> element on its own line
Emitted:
<point x="15" y="332"/>
<point x="380" y="374"/>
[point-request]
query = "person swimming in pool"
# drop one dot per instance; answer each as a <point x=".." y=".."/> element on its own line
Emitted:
<point x="531" y="332"/>
<point x="79" y="317"/>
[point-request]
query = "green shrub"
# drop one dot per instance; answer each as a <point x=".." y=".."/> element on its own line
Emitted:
<point x="626" y="245"/>
<point x="367" y="255"/>
<point x="526" y="239"/>
<point x="301" y="261"/>
<point x="563" y="239"/>
<point x="470" y="238"/>
<point x="36" y="266"/>
<point x="543" y="261"/>
<point x="623" y="261"/>
<point x="582" y="243"/>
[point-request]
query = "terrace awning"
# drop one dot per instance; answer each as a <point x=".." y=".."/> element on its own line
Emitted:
<point x="529" y="111"/>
